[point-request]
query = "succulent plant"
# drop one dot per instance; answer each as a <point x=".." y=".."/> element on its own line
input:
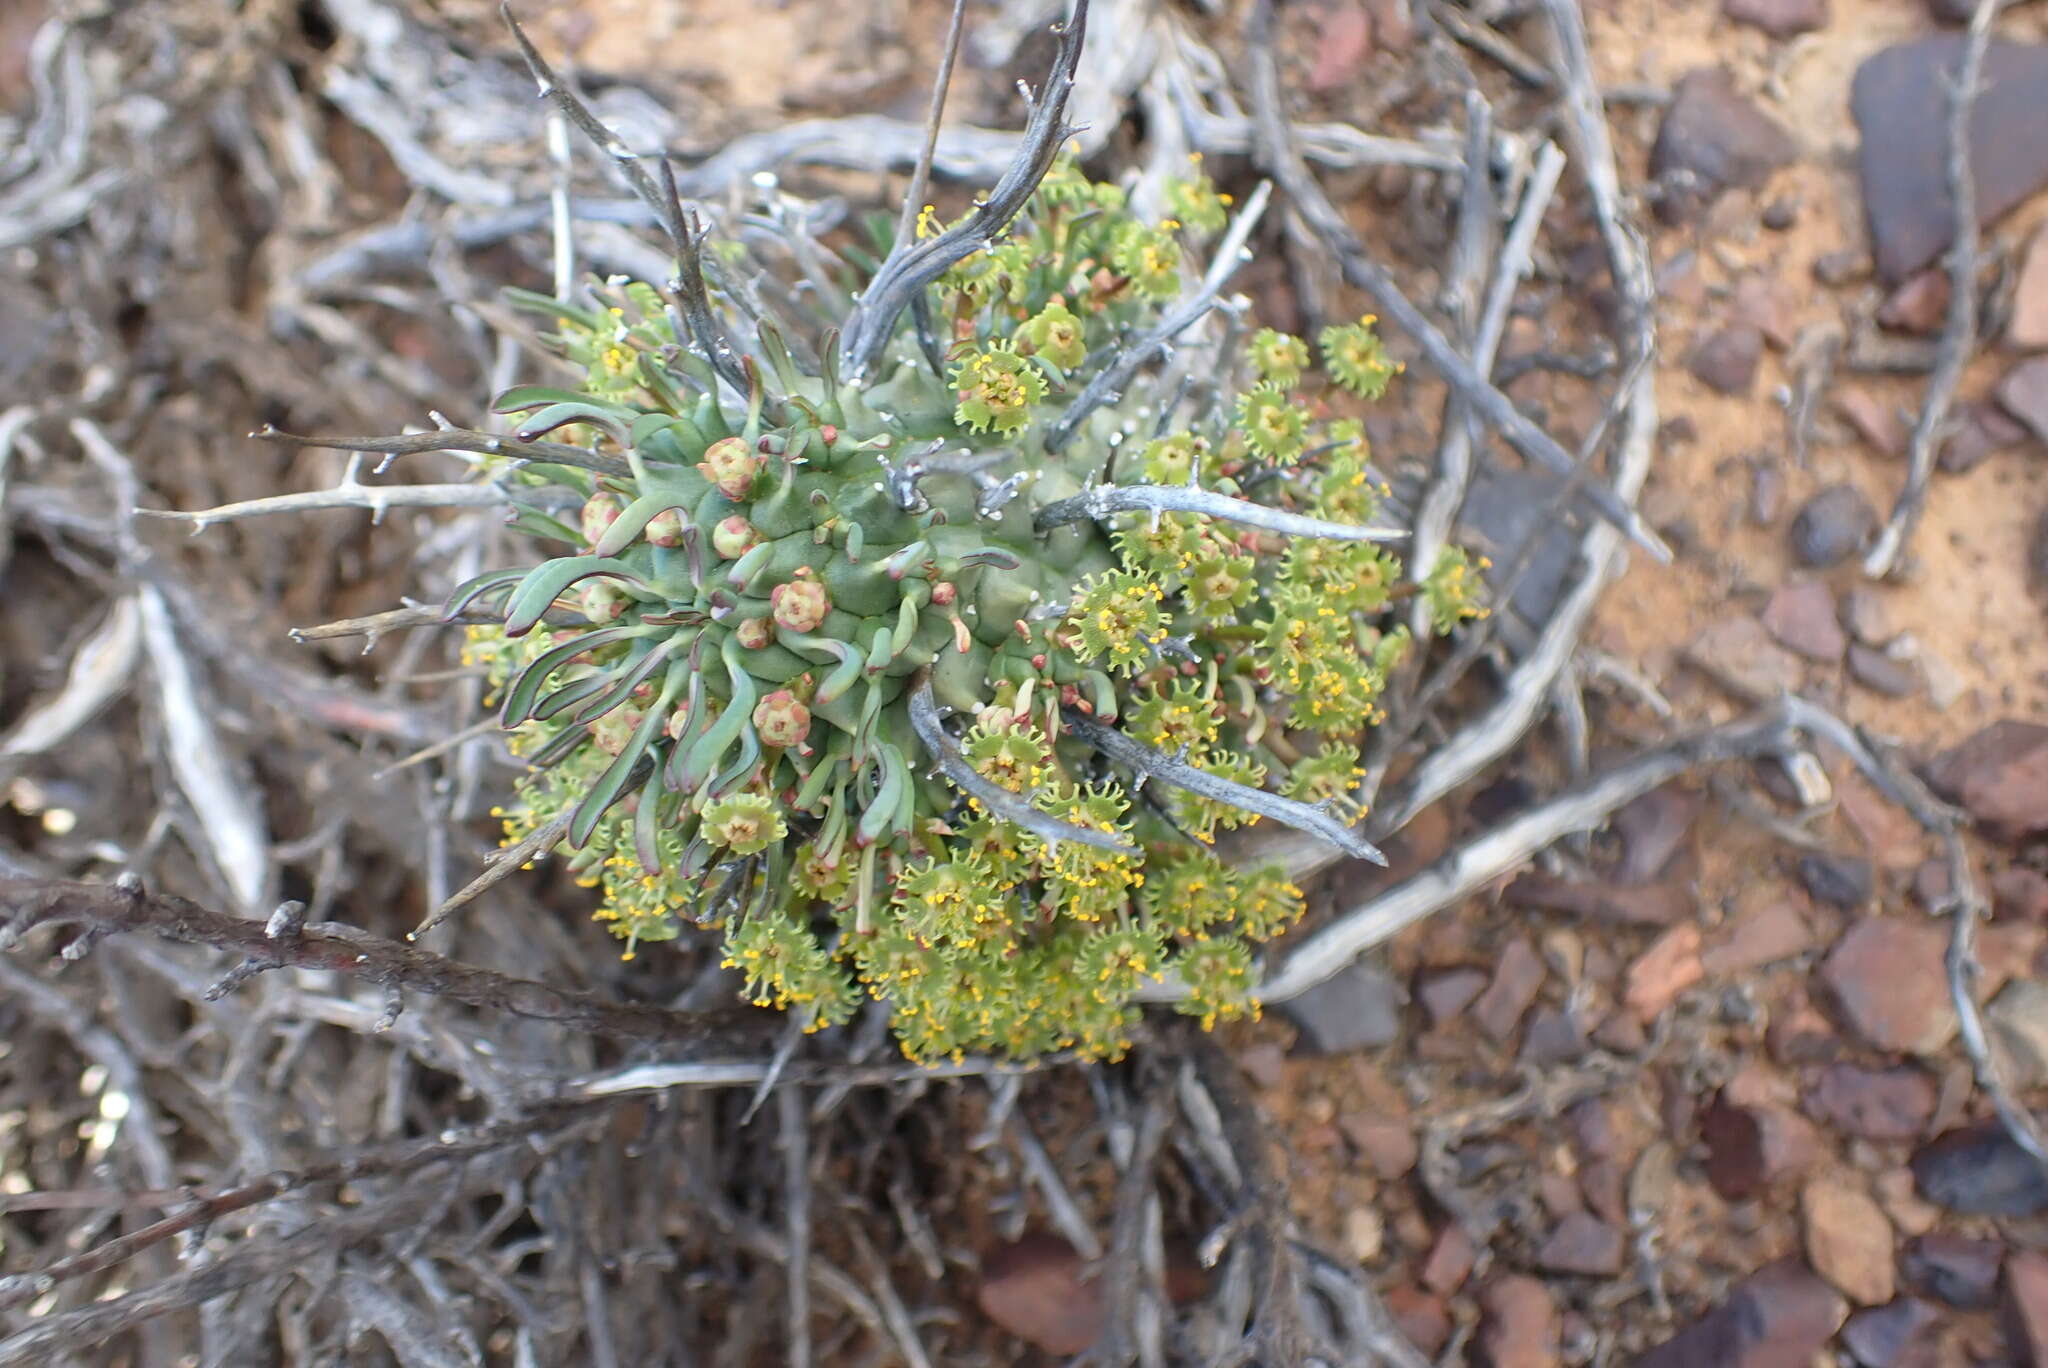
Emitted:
<point x="930" y="669"/>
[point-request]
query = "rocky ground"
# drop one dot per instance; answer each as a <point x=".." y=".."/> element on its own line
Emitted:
<point x="1693" y="1091"/>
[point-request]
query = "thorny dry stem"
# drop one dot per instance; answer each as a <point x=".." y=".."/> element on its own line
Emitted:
<point x="1959" y="331"/>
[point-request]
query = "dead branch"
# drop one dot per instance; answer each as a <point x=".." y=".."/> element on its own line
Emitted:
<point x="110" y="909"/>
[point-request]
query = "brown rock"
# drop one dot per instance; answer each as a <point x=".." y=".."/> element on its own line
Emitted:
<point x="1832" y="526"/>
<point x="1779" y="18"/>
<point x="1920" y="305"/>
<point x="1620" y="1032"/>
<point x="2024" y="394"/>
<point x="2028" y="327"/>
<point x="1981" y="429"/>
<point x="1713" y="138"/>
<point x="1605" y="1186"/>
<point x="1727" y="360"/>
<point x="2019" y="1016"/>
<point x="1953" y="1269"/>
<point x="2021" y="893"/>
<point x="1653" y="829"/>
<point x="1389" y="1146"/>
<point x="1778" y="1317"/>
<point x="1446" y="992"/>
<point x="1774" y="931"/>
<point x="1848" y="1240"/>
<point x="1898" y="1195"/>
<point x="1393" y="24"/>
<point x="2026" y="1305"/>
<point x="1867" y="616"/>
<point x="2000" y="775"/>
<point x="1900" y="99"/>
<point x="1264" y="1063"/>
<point x="1880" y="673"/>
<point x="1421" y="1317"/>
<point x="1450" y="1260"/>
<point x="1039" y="1289"/>
<point x="1654" y="905"/>
<point x="1344" y="41"/>
<point x="1741" y="655"/>
<point x="1801" y="614"/>
<point x="1875" y="422"/>
<point x="1843" y="266"/>
<point x="1887" y="976"/>
<point x="1877" y="1104"/>
<point x="1520" y="1325"/>
<point x="1759" y="302"/>
<point x="1844" y="881"/>
<point x="1799" y="1034"/>
<point x="1752" y="1148"/>
<point x="1669" y="967"/>
<point x="1516" y="981"/>
<point x="1584" y="1244"/>
<point x="1890" y="835"/>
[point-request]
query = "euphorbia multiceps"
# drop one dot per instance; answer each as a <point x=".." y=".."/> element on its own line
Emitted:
<point x="934" y="667"/>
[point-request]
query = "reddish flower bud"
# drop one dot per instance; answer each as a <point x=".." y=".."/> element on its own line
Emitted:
<point x="800" y="605"/>
<point x="600" y="511"/>
<point x="781" y="720"/>
<point x="731" y="466"/>
<point x="600" y="602"/>
<point x="612" y="731"/>
<point x="944" y="592"/>
<point x="754" y="633"/>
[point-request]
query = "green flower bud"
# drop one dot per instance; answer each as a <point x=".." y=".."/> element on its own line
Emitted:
<point x="601" y="603"/>
<point x="732" y="465"/>
<point x="666" y="528"/>
<point x="734" y="537"/>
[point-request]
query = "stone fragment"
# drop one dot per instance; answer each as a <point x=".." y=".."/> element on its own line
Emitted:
<point x="2026" y="1305"/>
<point x="1780" y="214"/>
<point x="2020" y="893"/>
<point x="1919" y="304"/>
<point x="2023" y="393"/>
<point x="1516" y="981"/>
<point x="1843" y="266"/>
<point x="1900" y="100"/>
<point x="1980" y="428"/>
<point x="1446" y="992"/>
<point x="1894" y="1191"/>
<point x="1713" y="138"/>
<point x="1741" y="656"/>
<point x="1887" y="976"/>
<point x="1848" y="1240"/>
<point x="1779" y="18"/>
<point x="1772" y="932"/>
<point x="1780" y="1316"/>
<point x="1881" y="673"/>
<point x="1421" y="1317"/>
<point x="1554" y="1037"/>
<point x="1726" y="360"/>
<point x="1650" y="905"/>
<point x="1879" y="1336"/>
<point x="1519" y="1326"/>
<point x="1953" y="1268"/>
<point x="1667" y="968"/>
<point x="1389" y="1146"/>
<point x="1751" y="1148"/>
<point x="1760" y="302"/>
<point x="1584" y="1244"/>
<point x="1359" y="1008"/>
<point x="1867" y="616"/>
<point x="1039" y="1290"/>
<point x="2001" y="776"/>
<point x="1832" y="526"/>
<point x="1653" y="830"/>
<point x="1801" y="614"/>
<point x="2027" y="328"/>
<point x="1450" y="1260"/>
<point x="1844" y="881"/>
<point x="1979" y="1170"/>
<point x="1876" y="1104"/>
<point x="2019" y="1015"/>
<point x="1365" y="1233"/>
<point x="1891" y="837"/>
